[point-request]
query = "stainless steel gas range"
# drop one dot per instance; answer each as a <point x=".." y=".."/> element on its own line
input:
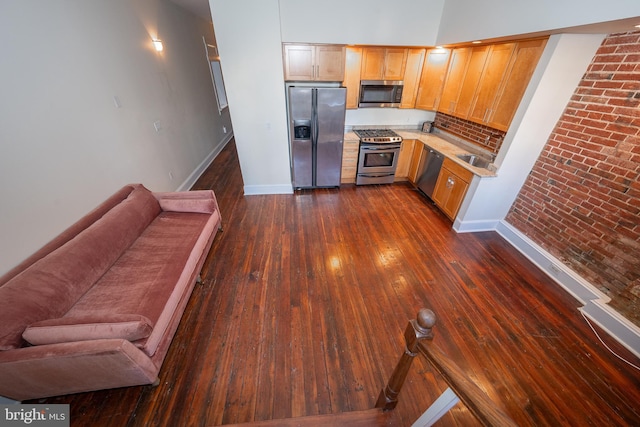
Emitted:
<point x="378" y="156"/>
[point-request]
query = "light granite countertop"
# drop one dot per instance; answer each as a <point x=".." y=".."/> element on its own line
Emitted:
<point x="449" y="146"/>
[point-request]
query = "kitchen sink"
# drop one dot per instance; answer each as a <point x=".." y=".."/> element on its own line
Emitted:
<point x="475" y="160"/>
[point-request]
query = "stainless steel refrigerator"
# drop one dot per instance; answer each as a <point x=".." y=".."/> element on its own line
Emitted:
<point x="316" y="134"/>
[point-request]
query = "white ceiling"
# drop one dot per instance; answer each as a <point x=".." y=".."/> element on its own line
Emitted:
<point x="197" y="7"/>
<point x="201" y="9"/>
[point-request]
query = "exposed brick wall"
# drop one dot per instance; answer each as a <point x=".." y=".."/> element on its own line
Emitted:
<point x="483" y="136"/>
<point x="581" y="201"/>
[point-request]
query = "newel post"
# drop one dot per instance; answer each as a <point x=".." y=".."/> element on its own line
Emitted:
<point x="417" y="330"/>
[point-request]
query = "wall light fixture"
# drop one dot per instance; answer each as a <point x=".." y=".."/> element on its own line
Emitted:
<point x="157" y="44"/>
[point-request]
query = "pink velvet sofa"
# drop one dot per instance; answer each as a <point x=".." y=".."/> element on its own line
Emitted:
<point x="98" y="306"/>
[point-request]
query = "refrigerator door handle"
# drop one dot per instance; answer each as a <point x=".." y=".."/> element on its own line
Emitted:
<point x="315" y="114"/>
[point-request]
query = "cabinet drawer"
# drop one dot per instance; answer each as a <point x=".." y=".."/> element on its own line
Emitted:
<point x="461" y="172"/>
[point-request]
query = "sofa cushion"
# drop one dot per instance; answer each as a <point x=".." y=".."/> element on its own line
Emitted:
<point x="152" y="275"/>
<point x="52" y="285"/>
<point x="130" y="327"/>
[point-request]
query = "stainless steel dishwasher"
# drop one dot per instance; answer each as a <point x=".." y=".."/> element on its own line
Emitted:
<point x="428" y="170"/>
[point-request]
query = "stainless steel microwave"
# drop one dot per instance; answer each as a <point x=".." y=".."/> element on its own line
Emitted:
<point x="380" y="93"/>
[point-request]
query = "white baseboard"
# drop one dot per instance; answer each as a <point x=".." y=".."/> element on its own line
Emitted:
<point x="474" y="226"/>
<point x="199" y="170"/>
<point x="594" y="301"/>
<point x="256" y="190"/>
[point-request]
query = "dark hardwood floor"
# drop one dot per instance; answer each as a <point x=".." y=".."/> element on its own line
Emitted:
<point x="304" y="304"/>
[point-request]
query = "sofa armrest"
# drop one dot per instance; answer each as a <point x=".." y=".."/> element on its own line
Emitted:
<point x="57" y="369"/>
<point x="200" y="201"/>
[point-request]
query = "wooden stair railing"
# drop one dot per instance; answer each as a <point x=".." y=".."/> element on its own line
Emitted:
<point x="460" y="387"/>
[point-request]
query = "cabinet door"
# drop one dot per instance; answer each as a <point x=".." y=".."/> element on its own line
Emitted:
<point x="415" y="61"/>
<point x="352" y="75"/>
<point x="329" y="63"/>
<point x="449" y="192"/>
<point x="521" y="67"/>
<point x="350" y="149"/>
<point x="299" y="62"/>
<point x="404" y="159"/>
<point x="451" y="187"/>
<point x="432" y="78"/>
<point x="470" y="82"/>
<point x="442" y="189"/>
<point x="415" y="161"/>
<point x="395" y="61"/>
<point x="458" y="189"/>
<point x="455" y="75"/>
<point x="492" y="77"/>
<point x="372" y="63"/>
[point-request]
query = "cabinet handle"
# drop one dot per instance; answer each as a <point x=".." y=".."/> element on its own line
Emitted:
<point x="450" y="182"/>
<point x="487" y="115"/>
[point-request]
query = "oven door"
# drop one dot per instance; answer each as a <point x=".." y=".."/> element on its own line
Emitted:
<point x="378" y="158"/>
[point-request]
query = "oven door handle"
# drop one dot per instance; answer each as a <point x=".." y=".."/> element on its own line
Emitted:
<point x="378" y="148"/>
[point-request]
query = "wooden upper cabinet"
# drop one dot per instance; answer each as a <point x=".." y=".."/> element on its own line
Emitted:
<point x="380" y="63"/>
<point x="455" y="74"/>
<point x="330" y="63"/>
<point x="470" y="82"/>
<point x="492" y="78"/>
<point x="305" y="62"/>
<point x="372" y="63"/>
<point x="394" y="63"/>
<point x="432" y="78"/>
<point x="415" y="61"/>
<point x="516" y="79"/>
<point x="485" y="84"/>
<point x="299" y="62"/>
<point x="352" y="75"/>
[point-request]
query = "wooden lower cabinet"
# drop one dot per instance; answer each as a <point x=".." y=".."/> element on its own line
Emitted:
<point x="415" y="162"/>
<point x="451" y="187"/>
<point x="350" y="149"/>
<point x="404" y="159"/>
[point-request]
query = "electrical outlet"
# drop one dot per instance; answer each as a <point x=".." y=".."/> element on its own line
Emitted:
<point x="224" y="129"/>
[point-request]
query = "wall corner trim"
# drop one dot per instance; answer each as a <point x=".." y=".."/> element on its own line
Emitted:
<point x="594" y="301"/>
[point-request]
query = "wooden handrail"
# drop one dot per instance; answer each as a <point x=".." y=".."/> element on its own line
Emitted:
<point x="476" y="400"/>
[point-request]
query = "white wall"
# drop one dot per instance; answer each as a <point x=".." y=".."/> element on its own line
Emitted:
<point x="387" y="117"/>
<point x="467" y="20"/>
<point x="65" y="146"/>
<point x="401" y="22"/>
<point x="248" y="35"/>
